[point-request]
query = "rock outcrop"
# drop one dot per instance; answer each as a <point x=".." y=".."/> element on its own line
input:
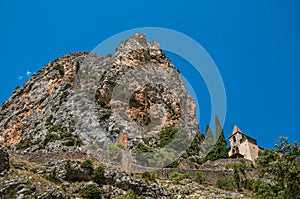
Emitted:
<point x="79" y="115"/>
<point x="84" y="100"/>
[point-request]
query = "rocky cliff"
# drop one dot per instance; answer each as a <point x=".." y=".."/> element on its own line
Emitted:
<point x="82" y="114"/>
<point x="83" y="99"/>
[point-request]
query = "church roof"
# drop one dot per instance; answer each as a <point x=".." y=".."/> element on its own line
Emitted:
<point x="236" y="129"/>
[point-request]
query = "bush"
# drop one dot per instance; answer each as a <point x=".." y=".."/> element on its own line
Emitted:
<point x="60" y="69"/>
<point x="262" y="190"/>
<point x="98" y="175"/>
<point x="130" y="195"/>
<point x="226" y="184"/>
<point x="70" y="141"/>
<point x="242" y="166"/>
<point x="63" y="97"/>
<point x="69" y="170"/>
<point x="176" y="176"/>
<point x="49" y="119"/>
<point x="142" y="148"/>
<point x="88" y="165"/>
<point x="149" y="176"/>
<point x="166" y="136"/>
<point x="50" y="137"/>
<point x="75" y="174"/>
<point x="64" y="134"/>
<point x="90" y="192"/>
<point x="24" y="144"/>
<point x="57" y="128"/>
<point x="53" y="176"/>
<point x="236" y="177"/>
<point x="247" y="184"/>
<point x="174" y="164"/>
<point x="199" y="177"/>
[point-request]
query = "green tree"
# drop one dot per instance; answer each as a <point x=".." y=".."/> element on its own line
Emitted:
<point x="220" y="149"/>
<point x="88" y="165"/>
<point x="90" y="192"/>
<point x="208" y="141"/>
<point x="98" y="175"/>
<point x="283" y="166"/>
<point x="166" y="136"/>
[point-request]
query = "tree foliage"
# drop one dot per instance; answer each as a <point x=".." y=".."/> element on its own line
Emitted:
<point x="90" y="192"/>
<point x="98" y="175"/>
<point x="220" y="149"/>
<point x="282" y="165"/>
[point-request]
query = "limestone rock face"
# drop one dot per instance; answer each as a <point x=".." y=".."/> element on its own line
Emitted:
<point x="4" y="158"/>
<point x="85" y="100"/>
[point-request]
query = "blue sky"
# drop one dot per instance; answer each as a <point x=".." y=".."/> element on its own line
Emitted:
<point x="254" y="43"/>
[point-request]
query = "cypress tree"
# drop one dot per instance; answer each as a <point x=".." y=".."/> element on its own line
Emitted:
<point x="220" y="149"/>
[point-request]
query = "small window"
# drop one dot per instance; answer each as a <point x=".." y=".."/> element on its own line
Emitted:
<point x="242" y="140"/>
<point x="234" y="139"/>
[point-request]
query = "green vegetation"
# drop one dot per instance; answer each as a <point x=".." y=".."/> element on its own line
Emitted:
<point x="220" y="149"/>
<point x="239" y="167"/>
<point x="200" y="178"/>
<point x="176" y="176"/>
<point x="174" y="164"/>
<point x="209" y="140"/>
<point x="194" y="149"/>
<point x="90" y="192"/>
<point x="70" y="141"/>
<point x="50" y="137"/>
<point x="8" y="195"/>
<point x="75" y="174"/>
<point x="69" y="170"/>
<point x="49" y="120"/>
<point x="60" y="69"/>
<point x="226" y="184"/>
<point x="106" y="115"/>
<point x="166" y="136"/>
<point x="63" y="97"/>
<point x="130" y="195"/>
<point x="149" y="176"/>
<point x="142" y="148"/>
<point x="57" y="128"/>
<point x="162" y="157"/>
<point x="98" y="175"/>
<point x="242" y="165"/>
<point x="143" y="153"/>
<point x="192" y="153"/>
<point x="24" y="143"/>
<point x="64" y="133"/>
<point x="88" y="165"/>
<point x="77" y="65"/>
<point x="115" y="151"/>
<point x="53" y="176"/>
<point x="283" y="166"/>
<point x="236" y="177"/>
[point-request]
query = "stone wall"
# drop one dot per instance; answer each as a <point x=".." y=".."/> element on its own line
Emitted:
<point x="212" y="171"/>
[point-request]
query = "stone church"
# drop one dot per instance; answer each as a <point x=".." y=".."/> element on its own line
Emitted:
<point x="242" y="146"/>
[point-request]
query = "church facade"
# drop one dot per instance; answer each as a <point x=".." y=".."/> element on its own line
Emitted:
<point x="242" y="146"/>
